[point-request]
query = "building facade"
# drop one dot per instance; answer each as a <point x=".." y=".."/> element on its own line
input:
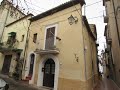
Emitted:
<point x="8" y="14"/>
<point x="13" y="46"/>
<point x="62" y="52"/>
<point x="112" y="33"/>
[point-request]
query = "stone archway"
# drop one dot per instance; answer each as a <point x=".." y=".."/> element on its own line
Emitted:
<point x="49" y="73"/>
<point x="40" y="81"/>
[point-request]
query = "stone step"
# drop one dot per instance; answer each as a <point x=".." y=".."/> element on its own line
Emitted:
<point x="45" y="88"/>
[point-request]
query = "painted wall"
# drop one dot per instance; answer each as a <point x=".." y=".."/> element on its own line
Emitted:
<point x="113" y="34"/>
<point x="21" y="28"/>
<point x="90" y="56"/>
<point x="71" y="71"/>
<point x="8" y="14"/>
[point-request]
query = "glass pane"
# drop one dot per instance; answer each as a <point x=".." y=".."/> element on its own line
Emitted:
<point x="53" y="69"/>
<point x="47" y="68"/>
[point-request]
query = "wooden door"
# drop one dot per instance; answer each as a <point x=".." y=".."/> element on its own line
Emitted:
<point x="6" y="64"/>
<point x="50" y="36"/>
<point x="49" y="73"/>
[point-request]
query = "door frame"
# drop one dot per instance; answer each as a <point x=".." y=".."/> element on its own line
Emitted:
<point x="27" y="68"/>
<point x="32" y="64"/>
<point x="49" y="26"/>
<point x="41" y="74"/>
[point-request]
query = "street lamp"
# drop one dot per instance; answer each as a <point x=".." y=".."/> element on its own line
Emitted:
<point x="72" y="20"/>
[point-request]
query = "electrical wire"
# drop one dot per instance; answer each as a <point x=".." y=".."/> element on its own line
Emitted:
<point x="93" y="3"/>
<point x="35" y="5"/>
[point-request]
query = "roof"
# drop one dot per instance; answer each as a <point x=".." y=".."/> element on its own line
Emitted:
<point x="93" y="29"/>
<point x="58" y="8"/>
<point x="88" y="27"/>
<point x="19" y="20"/>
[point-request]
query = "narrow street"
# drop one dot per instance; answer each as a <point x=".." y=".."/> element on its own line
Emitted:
<point x="106" y="84"/>
<point x="20" y="85"/>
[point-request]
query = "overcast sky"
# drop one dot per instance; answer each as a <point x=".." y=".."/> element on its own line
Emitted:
<point x="94" y="12"/>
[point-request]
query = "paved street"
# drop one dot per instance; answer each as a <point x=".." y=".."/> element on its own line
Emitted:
<point x="20" y="85"/>
<point x="106" y="84"/>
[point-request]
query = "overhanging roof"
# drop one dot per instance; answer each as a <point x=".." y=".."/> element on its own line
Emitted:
<point x="19" y="20"/>
<point x="88" y="27"/>
<point x="58" y="8"/>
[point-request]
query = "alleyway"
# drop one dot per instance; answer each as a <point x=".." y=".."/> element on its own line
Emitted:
<point x="106" y="84"/>
<point x="20" y="85"/>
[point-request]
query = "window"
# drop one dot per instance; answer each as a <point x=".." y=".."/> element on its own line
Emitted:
<point x="11" y="38"/>
<point x="22" y="39"/>
<point x="35" y="37"/>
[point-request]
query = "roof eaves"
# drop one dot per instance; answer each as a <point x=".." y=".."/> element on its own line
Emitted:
<point x="88" y="27"/>
<point x="57" y="9"/>
<point x="19" y="20"/>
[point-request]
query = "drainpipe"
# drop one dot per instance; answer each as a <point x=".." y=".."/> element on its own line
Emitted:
<point x="84" y="52"/>
<point x="116" y="22"/>
<point x="26" y="46"/>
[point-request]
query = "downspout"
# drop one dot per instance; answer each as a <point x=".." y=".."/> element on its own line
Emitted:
<point x="84" y="45"/>
<point x="26" y="46"/>
<point x="116" y="22"/>
<point x="85" y="69"/>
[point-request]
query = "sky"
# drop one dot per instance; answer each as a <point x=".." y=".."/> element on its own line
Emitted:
<point x="93" y="10"/>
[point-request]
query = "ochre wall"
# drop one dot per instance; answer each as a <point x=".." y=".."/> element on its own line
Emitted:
<point x="113" y="34"/>
<point x="71" y="73"/>
<point x="21" y="28"/>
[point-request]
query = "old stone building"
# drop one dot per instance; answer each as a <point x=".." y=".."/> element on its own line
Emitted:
<point x="112" y="34"/>
<point x="62" y="51"/>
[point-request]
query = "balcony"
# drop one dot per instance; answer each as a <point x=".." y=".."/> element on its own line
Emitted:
<point x="106" y="19"/>
<point x="9" y="47"/>
<point x="47" y="51"/>
<point x="109" y="41"/>
<point x="107" y="50"/>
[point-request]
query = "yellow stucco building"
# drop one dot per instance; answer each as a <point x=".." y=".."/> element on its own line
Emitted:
<point x="13" y="46"/>
<point x="8" y="14"/>
<point x="61" y="51"/>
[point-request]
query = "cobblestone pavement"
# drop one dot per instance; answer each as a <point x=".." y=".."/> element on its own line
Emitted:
<point x="106" y="84"/>
<point x="16" y="87"/>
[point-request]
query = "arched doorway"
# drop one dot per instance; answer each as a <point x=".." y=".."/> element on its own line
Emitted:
<point x="32" y="57"/>
<point x="49" y="73"/>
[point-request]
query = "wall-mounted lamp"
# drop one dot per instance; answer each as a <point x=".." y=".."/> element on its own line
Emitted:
<point x="72" y="20"/>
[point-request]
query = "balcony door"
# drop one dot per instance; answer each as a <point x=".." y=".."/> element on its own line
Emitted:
<point x="50" y="38"/>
